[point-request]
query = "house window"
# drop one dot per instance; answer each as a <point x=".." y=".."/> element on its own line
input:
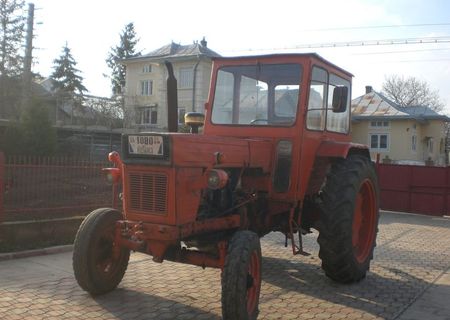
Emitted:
<point x="430" y="143"/>
<point x="186" y="75"/>
<point x="379" y="124"/>
<point x="181" y="113"/>
<point x="146" y="87"/>
<point x="379" y="142"/>
<point x="147" y="68"/>
<point x="147" y="115"/>
<point x="414" y="143"/>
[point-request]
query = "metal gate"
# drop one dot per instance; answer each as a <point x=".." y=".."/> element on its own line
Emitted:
<point x="416" y="189"/>
<point x="36" y="188"/>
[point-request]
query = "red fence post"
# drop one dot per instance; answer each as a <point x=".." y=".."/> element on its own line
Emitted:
<point x="410" y="188"/>
<point x="445" y="211"/>
<point x="2" y="183"/>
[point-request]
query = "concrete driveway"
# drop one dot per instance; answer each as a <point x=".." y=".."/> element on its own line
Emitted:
<point x="409" y="279"/>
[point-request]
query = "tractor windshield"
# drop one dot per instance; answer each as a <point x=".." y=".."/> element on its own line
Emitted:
<point x="257" y="95"/>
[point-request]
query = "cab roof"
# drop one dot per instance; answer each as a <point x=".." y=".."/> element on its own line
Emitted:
<point x="284" y="55"/>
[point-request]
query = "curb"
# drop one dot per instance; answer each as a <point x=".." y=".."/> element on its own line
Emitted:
<point x="35" y="252"/>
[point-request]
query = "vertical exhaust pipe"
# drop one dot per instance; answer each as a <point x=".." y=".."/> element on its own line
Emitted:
<point x="172" y="99"/>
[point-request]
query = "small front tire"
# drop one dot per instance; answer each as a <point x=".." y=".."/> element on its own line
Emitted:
<point x="96" y="269"/>
<point x="241" y="277"/>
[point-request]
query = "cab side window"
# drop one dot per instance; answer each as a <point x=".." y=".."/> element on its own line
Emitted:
<point x="316" y="114"/>
<point x="337" y="122"/>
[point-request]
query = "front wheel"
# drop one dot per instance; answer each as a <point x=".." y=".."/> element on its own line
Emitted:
<point x="349" y="219"/>
<point x="96" y="268"/>
<point x="241" y="277"/>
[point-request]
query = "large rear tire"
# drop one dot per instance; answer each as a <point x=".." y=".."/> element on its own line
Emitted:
<point x="96" y="269"/>
<point x="349" y="219"/>
<point x="241" y="277"/>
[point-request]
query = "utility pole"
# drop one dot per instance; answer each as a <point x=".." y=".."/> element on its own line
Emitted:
<point x="27" y="76"/>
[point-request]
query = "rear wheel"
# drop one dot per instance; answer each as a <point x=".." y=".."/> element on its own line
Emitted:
<point x="96" y="268"/>
<point x="241" y="277"/>
<point x="349" y="219"/>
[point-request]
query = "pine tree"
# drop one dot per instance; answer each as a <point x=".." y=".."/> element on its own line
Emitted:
<point x="66" y="78"/>
<point x="126" y="49"/>
<point x="12" y="23"/>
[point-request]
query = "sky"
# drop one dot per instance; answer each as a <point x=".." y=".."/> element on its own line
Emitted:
<point x="242" y="27"/>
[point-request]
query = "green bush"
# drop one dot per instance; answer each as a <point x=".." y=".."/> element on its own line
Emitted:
<point x="12" y="140"/>
<point x="32" y="135"/>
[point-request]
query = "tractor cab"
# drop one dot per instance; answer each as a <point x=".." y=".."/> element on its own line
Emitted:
<point x="276" y="93"/>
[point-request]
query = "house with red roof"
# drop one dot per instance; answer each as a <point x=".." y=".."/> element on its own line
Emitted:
<point x="405" y="135"/>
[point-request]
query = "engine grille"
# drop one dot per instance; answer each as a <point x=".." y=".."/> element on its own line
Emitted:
<point x="148" y="192"/>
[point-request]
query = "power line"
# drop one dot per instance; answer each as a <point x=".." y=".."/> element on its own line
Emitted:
<point x="381" y="27"/>
<point x="361" y="43"/>
<point x="383" y="42"/>
<point x="399" y="51"/>
<point x="408" y="61"/>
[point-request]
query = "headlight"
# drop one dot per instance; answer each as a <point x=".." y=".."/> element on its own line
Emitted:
<point x="217" y="179"/>
<point x="112" y="175"/>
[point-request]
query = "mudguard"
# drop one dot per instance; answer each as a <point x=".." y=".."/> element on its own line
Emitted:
<point x="334" y="149"/>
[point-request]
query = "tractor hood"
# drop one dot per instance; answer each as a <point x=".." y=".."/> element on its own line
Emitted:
<point x="196" y="150"/>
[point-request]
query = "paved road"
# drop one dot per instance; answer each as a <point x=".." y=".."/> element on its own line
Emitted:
<point x="409" y="279"/>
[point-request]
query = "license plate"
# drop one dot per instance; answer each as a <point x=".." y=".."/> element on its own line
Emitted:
<point x="145" y="145"/>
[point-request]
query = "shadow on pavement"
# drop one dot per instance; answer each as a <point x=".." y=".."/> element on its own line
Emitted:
<point x="382" y="296"/>
<point x="125" y="304"/>
<point x="389" y="217"/>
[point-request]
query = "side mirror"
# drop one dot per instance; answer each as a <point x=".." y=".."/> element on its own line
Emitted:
<point x="340" y="96"/>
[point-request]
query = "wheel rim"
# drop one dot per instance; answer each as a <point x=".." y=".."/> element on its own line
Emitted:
<point x="364" y="221"/>
<point x="253" y="283"/>
<point x="104" y="259"/>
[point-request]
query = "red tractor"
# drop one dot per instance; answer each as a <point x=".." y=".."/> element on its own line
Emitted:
<point x="275" y="155"/>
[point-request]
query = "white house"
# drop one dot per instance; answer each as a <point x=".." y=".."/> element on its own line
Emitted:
<point x="145" y="84"/>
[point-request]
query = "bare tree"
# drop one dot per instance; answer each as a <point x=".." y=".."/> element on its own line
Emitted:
<point x="106" y="112"/>
<point x="411" y="91"/>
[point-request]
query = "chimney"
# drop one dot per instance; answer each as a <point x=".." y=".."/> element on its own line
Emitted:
<point x="369" y="89"/>
<point x="203" y="42"/>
